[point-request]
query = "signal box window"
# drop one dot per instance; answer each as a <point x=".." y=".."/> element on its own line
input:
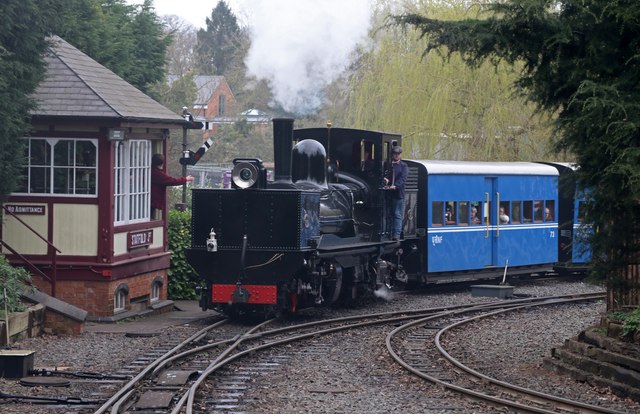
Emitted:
<point x="437" y="213"/>
<point x="60" y="166"/>
<point x="132" y="177"/>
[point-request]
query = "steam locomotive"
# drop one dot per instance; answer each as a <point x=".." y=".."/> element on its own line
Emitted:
<point x="317" y="234"/>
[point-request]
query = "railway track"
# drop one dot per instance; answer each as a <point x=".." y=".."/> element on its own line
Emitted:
<point x="209" y="384"/>
<point x="418" y="347"/>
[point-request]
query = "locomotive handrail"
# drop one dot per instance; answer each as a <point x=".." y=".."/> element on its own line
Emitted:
<point x="53" y="277"/>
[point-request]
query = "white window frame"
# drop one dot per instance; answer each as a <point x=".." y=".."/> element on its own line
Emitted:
<point x="156" y="288"/>
<point x="132" y="181"/>
<point x="74" y="168"/>
<point x="120" y="300"/>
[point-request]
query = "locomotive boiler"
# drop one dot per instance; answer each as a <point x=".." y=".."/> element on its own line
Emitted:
<point x="315" y="235"/>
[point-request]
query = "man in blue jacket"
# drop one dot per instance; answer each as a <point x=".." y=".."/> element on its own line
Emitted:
<point x="394" y="181"/>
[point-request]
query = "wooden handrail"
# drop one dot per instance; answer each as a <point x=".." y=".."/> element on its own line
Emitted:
<point x="30" y="228"/>
<point x="33" y="267"/>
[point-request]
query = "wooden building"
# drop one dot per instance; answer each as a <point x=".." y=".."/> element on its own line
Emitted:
<point x="80" y="219"/>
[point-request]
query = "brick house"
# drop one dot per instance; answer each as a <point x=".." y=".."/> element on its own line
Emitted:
<point x="215" y="104"/>
<point x="80" y="218"/>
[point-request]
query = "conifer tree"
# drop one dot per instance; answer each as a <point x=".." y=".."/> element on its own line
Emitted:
<point x="581" y="62"/>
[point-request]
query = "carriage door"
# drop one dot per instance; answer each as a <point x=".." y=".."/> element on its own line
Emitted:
<point x="490" y="222"/>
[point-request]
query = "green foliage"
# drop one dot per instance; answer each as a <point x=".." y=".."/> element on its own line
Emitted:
<point x="14" y="280"/>
<point x="23" y="27"/>
<point x="127" y="39"/>
<point x="630" y="321"/>
<point x="182" y="278"/>
<point x="444" y="108"/>
<point x="217" y="45"/>
<point x="580" y="62"/>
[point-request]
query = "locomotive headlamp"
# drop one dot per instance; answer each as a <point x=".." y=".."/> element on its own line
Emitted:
<point x="248" y="173"/>
<point x="244" y="175"/>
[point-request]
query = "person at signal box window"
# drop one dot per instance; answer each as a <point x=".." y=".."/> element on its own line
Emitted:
<point x="394" y="181"/>
<point x="159" y="183"/>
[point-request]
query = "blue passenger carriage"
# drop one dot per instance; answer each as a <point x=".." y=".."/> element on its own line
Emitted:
<point x="574" y="254"/>
<point x="478" y="217"/>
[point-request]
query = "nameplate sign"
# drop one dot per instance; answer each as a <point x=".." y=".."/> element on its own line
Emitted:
<point x="27" y="210"/>
<point x="139" y="238"/>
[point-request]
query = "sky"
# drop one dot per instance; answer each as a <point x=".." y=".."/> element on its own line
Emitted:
<point x="298" y="46"/>
<point x="193" y="11"/>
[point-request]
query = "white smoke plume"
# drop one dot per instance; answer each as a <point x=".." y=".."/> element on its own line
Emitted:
<point x="301" y="46"/>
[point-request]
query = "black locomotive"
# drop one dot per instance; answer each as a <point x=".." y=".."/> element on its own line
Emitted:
<point x="314" y="235"/>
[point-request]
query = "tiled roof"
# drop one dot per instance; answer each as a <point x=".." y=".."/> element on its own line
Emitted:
<point x="206" y="86"/>
<point x="78" y="86"/>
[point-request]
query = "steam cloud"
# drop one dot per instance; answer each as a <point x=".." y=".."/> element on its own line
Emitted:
<point x="301" y="46"/>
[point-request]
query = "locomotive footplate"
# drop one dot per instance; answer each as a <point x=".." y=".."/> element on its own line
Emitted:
<point x="330" y="245"/>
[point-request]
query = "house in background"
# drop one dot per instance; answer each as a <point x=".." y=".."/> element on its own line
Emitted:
<point x="80" y="220"/>
<point x="215" y="104"/>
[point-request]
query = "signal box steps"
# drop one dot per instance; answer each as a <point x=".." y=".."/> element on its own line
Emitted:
<point x="601" y="361"/>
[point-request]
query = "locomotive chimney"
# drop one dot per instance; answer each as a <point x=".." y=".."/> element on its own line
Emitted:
<point x="282" y="145"/>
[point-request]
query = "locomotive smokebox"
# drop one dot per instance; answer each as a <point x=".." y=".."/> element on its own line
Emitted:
<point x="282" y="145"/>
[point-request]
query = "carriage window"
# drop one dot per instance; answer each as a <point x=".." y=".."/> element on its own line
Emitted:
<point x="538" y="213"/>
<point x="582" y="206"/>
<point x="527" y="211"/>
<point x="486" y="213"/>
<point x="437" y="213"/>
<point x="549" y="210"/>
<point x="463" y="213"/>
<point x="451" y="213"/>
<point x="503" y="213"/>
<point x="476" y="211"/>
<point x="516" y="209"/>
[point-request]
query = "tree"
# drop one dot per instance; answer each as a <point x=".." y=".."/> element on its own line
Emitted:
<point x="581" y="62"/>
<point x="217" y="45"/>
<point x="180" y="54"/>
<point x="443" y="108"/>
<point x="23" y="28"/>
<point x="129" y="40"/>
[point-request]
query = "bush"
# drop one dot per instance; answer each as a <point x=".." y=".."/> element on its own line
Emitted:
<point x="182" y="278"/>
<point x="630" y="321"/>
<point x="15" y="280"/>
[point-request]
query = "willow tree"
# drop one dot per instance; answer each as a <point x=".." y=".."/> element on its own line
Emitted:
<point x="581" y="61"/>
<point x="444" y="108"/>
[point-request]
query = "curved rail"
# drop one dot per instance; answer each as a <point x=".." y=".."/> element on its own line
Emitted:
<point x="529" y="394"/>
